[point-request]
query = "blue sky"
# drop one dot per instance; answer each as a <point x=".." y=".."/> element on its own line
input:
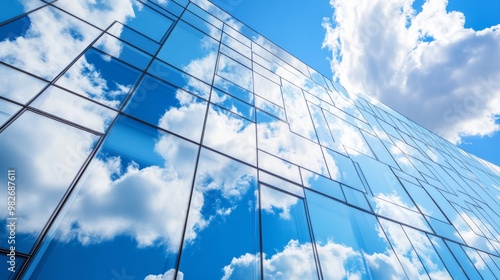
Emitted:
<point x="297" y="27"/>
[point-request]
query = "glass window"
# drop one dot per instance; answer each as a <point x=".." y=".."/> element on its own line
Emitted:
<point x="266" y="73"/>
<point x="356" y="198"/>
<point x="423" y="201"/>
<point x="321" y="184"/>
<point x="358" y="250"/>
<point x="223" y="214"/>
<point x="18" y="7"/>
<point x="428" y="256"/>
<point x="299" y="118"/>
<point x="232" y="104"/>
<point x="235" y="72"/>
<point x="17" y="85"/>
<point x="238" y="134"/>
<point x="190" y="50"/>
<point x="46" y="155"/>
<point x="270" y="108"/>
<point x="234" y="90"/>
<point x="235" y="55"/>
<point x="267" y="89"/>
<point x="274" y="137"/>
<point x="170" y="6"/>
<point x="100" y="77"/>
<point x="322" y="129"/>
<point x="168" y="107"/>
<point x="74" y="108"/>
<point x="144" y="18"/>
<point x="342" y="169"/>
<point x="404" y="250"/>
<point x="345" y="134"/>
<point x="123" y="51"/>
<point x="235" y="34"/>
<point x="463" y="260"/>
<point x="179" y="79"/>
<point x="276" y="165"/>
<point x="202" y="25"/>
<point x="133" y="37"/>
<point x="286" y="241"/>
<point x="29" y="38"/>
<point x="6" y="273"/>
<point x="379" y="149"/>
<point x="205" y="15"/>
<point x="7" y="110"/>
<point x="281" y="184"/>
<point x="447" y="257"/>
<point x="133" y="198"/>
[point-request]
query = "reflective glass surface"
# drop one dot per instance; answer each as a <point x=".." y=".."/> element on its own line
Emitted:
<point x="168" y="140"/>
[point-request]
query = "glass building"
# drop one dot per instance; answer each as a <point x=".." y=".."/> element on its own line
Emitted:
<point x="167" y="140"/>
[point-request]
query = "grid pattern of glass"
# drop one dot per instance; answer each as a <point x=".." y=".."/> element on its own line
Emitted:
<point x="167" y="140"/>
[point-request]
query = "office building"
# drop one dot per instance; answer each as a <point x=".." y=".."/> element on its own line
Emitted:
<point x="168" y="140"/>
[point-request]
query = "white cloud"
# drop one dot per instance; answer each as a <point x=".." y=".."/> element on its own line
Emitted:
<point x="296" y="261"/>
<point x="170" y="274"/>
<point x="388" y="50"/>
<point x="272" y="199"/>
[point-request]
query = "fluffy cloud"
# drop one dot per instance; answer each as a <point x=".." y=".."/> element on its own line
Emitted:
<point x="404" y="57"/>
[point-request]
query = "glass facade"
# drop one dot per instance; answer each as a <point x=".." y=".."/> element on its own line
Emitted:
<point x="167" y="140"/>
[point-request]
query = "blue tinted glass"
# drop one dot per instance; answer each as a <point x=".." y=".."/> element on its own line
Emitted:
<point x="17" y="85"/>
<point x="342" y="169"/>
<point x="168" y="107"/>
<point x="350" y="242"/>
<point x="356" y="198"/>
<point x="270" y="108"/>
<point x="235" y="72"/>
<point x="202" y="25"/>
<point x="285" y="237"/>
<point x="232" y="104"/>
<point x="179" y="79"/>
<point x="480" y="264"/>
<point x="346" y="134"/>
<point x="233" y="89"/>
<point x="463" y="260"/>
<point x="447" y="257"/>
<point x="100" y="77"/>
<point x="133" y="37"/>
<point x="274" y="137"/>
<point x="130" y="200"/>
<point x="278" y="166"/>
<point x="268" y="89"/>
<point x="300" y="121"/>
<point x="7" y="110"/>
<point x="28" y="39"/>
<point x="325" y="138"/>
<point x="223" y="214"/>
<point x="145" y="18"/>
<point x="10" y="267"/>
<point x="52" y="154"/>
<point x="428" y="256"/>
<point x="123" y="51"/>
<point x="321" y="184"/>
<point x="170" y="6"/>
<point x="74" y="108"/>
<point x="238" y="134"/>
<point x="191" y="51"/>
<point x="404" y="250"/>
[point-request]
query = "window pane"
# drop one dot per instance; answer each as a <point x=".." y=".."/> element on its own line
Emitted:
<point x="74" y="108"/>
<point x="17" y="85"/>
<point x="350" y="243"/>
<point x="100" y="77"/>
<point x="230" y="134"/>
<point x="168" y="107"/>
<point x="49" y="34"/>
<point x="223" y="214"/>
<point x="47" y="155"/>
<point x="133" y="198"/>
<point x="191" y="51"/>
<point x="286" y="241"/>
